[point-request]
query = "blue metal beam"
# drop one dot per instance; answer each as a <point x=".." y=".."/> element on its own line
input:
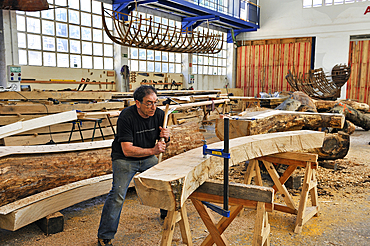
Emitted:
<point x="202" y="14"/>
<point x="193" y="22"/>
<point x="198" y="18"/>
<point x="231" y="38"/>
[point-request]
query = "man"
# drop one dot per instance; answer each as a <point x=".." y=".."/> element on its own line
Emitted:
<point x="133" y="150"/>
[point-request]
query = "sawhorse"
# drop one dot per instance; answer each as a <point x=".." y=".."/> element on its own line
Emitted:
<point x="241" y="195"/>
<point x="293" y="160"/>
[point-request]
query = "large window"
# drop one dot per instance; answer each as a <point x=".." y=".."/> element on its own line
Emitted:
<point x="211" y="64"/>
<point x="69" y="35"/>
<point x="217" y="5"/>
<point x="144" y="60"/>
<point x="319" y="3"/>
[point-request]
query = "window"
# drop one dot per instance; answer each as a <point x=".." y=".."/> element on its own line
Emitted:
<point x="144" y="60"/>
<point x="217" y="5"/>
<point x="319" y="3"/>
<point x="211" y="64"/>
<point x="70" y="36"/>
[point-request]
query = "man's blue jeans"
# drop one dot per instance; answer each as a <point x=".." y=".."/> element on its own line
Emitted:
<point x="123" y="172"/>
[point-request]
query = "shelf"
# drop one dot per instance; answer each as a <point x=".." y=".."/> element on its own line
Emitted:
<point x="65" y="82"/>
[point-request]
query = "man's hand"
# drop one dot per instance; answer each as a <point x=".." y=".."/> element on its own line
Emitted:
<point x="160" y="147"/>
<point x="165" y="133"/>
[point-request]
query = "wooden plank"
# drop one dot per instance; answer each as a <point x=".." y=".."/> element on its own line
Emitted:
<point x="169" y="184"/>
<point x="239" y="191"/>
<point x="190" y="105"/>
<point x="57" y="137"/>
<point x="67" y="127"/>
<point x="27" y="125"/>
<point x="6" y="150"/>
<point x="58" y="95"/>
<point x="58" y="108"/>
<point x="21" y="213"/>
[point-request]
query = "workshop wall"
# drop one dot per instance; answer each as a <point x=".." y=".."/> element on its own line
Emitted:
<point x="67" y="74"/>
<point x="331" y="25"/>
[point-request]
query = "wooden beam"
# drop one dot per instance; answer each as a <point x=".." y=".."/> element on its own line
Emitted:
<point x="40" y="108"/>
<point x="58" y="137"/>
<point x="239" y="191"/>
<point x="23" y="126"/>
<point x="168" y="184"/>
<point x="269" y="121"/>
<point x="23" y="212"/>
<point x="190" y="105"/>
<point x="58" y="95"/>
<point x="12" y="150"/>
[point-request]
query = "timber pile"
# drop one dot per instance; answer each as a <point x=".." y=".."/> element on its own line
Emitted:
<point x="337" y="118"/>
<point x="23" y="106"/>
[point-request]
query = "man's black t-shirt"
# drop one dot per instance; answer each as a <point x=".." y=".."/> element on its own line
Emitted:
<point x="142" y="132"/>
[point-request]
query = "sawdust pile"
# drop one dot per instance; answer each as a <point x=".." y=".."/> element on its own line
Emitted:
<point x="346" y="175"/>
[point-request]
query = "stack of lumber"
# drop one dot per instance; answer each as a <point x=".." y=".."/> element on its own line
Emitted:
<point x="91" y="106"/>
<point x="23" y="106"/>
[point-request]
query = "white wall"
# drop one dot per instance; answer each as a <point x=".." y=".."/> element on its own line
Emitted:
<point x="331" y="25"/>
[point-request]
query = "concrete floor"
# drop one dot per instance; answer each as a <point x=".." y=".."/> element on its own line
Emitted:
<point x="344" y="219"/>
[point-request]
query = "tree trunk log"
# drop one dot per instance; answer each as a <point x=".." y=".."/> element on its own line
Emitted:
<point x="352" y="115"/>
<point x="335" y="146"/>
<point x="277" y="121"/>
<point x="183" y="138"/>
<point x="25" y="175"/>
<point x="324" y="105"/>
<point x="356" y="105"/>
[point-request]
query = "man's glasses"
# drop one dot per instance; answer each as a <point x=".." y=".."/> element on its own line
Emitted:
<point x="150" y="104"/>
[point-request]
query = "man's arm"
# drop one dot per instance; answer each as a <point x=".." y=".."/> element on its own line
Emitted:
<point x="132" y="151"/>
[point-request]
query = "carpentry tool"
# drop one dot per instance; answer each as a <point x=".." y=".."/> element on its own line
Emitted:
<point x="87" y="80"/>
<point x="167" y="112"/>
<point x="79" y="86"/>
<point x="224" y="153"/>
<point x="143" y="74"/>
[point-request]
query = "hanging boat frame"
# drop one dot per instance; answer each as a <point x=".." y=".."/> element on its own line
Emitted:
<point x="148" y="34"/>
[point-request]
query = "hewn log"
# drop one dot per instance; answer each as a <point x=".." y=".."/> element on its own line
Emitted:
<point x="324" y="105"/>
<point x="183" y="138"/>
<point x="24" y="175"/>
<point x="289" y="105"/>
<point x="353" y="115"/>
<point x="348" y="128"/>
<point x="307" y="104"/>
<point x="277" y="121"/>
<point x="356" y="105"/>
<point x="335" y="146"/>
<point x="168" y="184"/>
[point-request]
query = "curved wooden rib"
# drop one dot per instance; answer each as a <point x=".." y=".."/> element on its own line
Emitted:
<point x="168" y="184"/>
<point x="137" y="32"/>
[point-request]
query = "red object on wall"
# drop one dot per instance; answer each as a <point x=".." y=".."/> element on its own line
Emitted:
<point x="367" y="10"/>
<point x="263" y="64"/>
